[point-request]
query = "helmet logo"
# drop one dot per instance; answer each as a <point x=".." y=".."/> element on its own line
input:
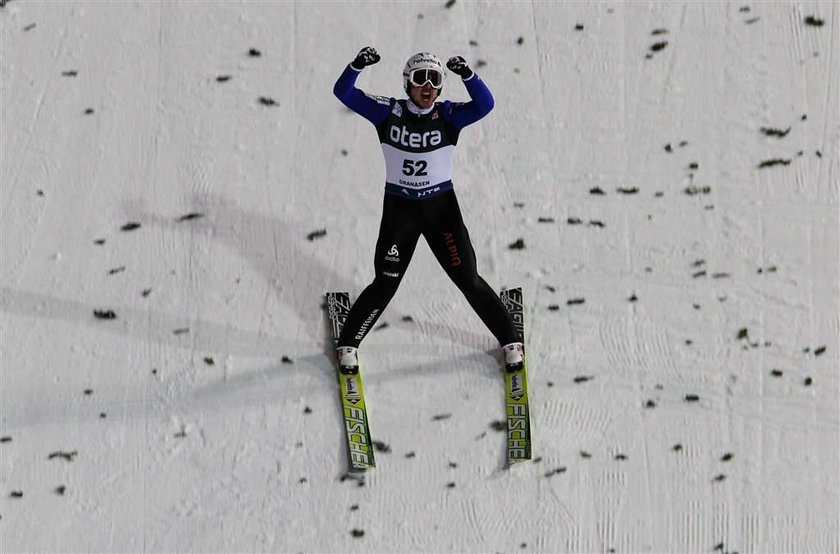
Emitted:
<point x="422" y="68"/>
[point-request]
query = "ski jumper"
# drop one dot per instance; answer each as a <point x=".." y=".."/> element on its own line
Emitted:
<point x="419" y="147"/>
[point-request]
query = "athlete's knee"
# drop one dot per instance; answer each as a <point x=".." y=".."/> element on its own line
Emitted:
<point x="466" y="280"/>
<point x="389" y="272"/>
<point x="386" y="283"/>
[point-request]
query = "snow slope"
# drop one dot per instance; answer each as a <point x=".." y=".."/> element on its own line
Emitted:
<point x="671" y="168"/>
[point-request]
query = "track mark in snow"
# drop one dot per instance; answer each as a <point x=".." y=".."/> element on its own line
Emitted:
<point x="40" y="103"/>
<point x="476" y="520"/>
<point x="575" y="418"/>
<point x="631" y="343"/>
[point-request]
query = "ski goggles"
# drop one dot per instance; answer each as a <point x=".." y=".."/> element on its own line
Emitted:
<point x="420" y="77"/>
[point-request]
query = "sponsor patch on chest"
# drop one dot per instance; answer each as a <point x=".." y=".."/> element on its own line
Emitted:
<point x="401" y="135"/>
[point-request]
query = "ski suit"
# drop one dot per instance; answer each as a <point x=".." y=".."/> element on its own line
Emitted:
<point x="419" y="147"/>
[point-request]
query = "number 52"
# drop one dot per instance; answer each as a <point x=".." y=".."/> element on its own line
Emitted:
<point x="412" y="167"/>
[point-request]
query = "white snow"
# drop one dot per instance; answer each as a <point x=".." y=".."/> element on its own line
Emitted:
<point x="178" y="426"/>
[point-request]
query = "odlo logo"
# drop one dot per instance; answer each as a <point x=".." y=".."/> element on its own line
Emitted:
<point x="393" y="254"/>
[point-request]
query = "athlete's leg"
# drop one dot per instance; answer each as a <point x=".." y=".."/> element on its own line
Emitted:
<point x="398" y="234"/>
<point x="449" y="240"/>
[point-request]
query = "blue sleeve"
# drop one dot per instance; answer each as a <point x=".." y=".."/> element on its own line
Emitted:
<point x="373" y="108"/>
<point x="462" y="114"/>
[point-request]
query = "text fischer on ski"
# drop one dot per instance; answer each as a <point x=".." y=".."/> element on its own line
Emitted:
<point x="418" y="137"/>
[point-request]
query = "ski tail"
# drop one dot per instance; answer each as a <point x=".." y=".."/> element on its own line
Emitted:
<point x="517" y="406"/>
<point x="354" y="409"/>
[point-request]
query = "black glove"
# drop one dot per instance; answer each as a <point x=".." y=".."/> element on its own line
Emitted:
<point x="458" y="65"/>
<point x="366" y="56"/>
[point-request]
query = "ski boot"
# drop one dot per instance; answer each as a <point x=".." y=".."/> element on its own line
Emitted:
<point x="514" y="356"/>
<point x="348" y="360"/>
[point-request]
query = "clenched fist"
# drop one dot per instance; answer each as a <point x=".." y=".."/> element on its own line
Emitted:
<point x="366" y="56"/>
<point x="458" y="65"/>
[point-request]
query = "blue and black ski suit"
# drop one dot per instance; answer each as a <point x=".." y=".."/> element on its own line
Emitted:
<point x="419" y="147"/>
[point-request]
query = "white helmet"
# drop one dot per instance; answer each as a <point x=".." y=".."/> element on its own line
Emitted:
<point x="412" y="73"/>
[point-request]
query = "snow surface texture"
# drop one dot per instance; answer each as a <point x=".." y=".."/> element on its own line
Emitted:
<point x="180" y="187"/>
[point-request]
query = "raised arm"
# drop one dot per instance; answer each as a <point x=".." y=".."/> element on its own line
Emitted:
<point x="461" y="115"/>
<point x="373" y="108"/>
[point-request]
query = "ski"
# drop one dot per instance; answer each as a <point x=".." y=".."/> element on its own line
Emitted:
<point x="359" y="444"/>
<point x="516" y="389"/>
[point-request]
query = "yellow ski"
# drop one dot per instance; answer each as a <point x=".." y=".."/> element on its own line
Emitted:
<point x="359" y="444"/>
<point x="516" y="389"/>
